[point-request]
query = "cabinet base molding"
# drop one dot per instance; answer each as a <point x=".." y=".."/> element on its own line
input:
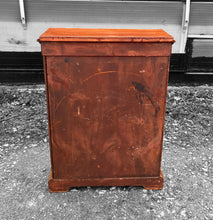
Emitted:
<point x="64" y="185"/>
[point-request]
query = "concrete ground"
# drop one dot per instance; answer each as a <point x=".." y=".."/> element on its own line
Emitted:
<point x="187" y="164"/>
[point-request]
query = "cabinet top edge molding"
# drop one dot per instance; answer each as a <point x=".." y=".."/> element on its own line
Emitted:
<point x="105" y="35"/>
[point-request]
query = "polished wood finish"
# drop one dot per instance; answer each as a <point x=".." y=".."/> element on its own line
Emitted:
<point x="63" y="185"/>
<point x="105" y="49"/>
<point x="105" y="35"/>
<point x="106" y="106"/>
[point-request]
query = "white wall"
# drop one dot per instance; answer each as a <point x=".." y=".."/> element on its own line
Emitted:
<point x="201" y="18"/>
<point x="41" y="15"/>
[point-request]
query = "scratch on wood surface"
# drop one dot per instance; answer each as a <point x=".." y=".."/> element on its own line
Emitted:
<point x="134" y="74"/>
<point x="56" y="123"/>
<point x="131" y="88"/>
<point x="59" y="103"/>
<point x="113" y="108"/>
<point x="97" y="74"/>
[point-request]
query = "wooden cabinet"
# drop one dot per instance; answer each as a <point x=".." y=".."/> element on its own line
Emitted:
<point x="106" y="95"/>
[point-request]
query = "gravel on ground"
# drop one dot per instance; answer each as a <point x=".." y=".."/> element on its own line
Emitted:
<point x="187" y="164"/>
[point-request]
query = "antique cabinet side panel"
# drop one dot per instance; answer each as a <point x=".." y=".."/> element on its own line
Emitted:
<point x="48" y="110"/>
<point x="164" y="105"/>
<point x="98" y="107"/>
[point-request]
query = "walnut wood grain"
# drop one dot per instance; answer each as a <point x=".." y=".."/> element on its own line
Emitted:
<point x="64" y="185"/>
<point x="105" y="35"/>
<point x="106" y="108"/>
<point x="105" y="49"/>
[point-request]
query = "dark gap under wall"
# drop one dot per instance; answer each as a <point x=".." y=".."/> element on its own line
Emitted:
<point x="27" y="68"/>
<point x="199" y="63"/>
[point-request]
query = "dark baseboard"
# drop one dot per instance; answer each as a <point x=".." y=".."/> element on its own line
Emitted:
<point x="182" y="79"/>
<point x="21" y="60"/>
<point x="178" y="63"/>
<point x="21" y="67"/>
<point x="27" y="67"/>
<point x="200" y="64"/>
<point x="21" y="77"/>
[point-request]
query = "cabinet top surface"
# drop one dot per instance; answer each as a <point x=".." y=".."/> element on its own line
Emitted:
<point x="105" y="35"/>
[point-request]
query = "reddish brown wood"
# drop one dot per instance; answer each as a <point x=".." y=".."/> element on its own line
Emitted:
<point x="105" y="35"/>
<point x="106" y="111"/>
<point x="64" y="185"/>
<point x="105" y="49"/>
